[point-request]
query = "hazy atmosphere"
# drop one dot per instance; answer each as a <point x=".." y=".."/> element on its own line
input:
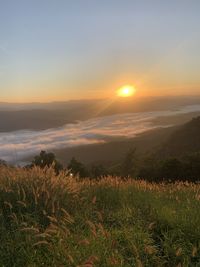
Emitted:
<point x="16" y="146"/>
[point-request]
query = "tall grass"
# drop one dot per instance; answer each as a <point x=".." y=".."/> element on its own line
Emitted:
<point x="49" y="220"/>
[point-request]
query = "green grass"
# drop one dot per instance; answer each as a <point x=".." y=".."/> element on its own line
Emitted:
<point x="48" y="220"/>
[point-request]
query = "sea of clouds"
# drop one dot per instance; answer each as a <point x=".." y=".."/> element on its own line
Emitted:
<point x="14" y="146"/>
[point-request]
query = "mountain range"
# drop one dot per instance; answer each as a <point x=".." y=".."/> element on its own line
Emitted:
<point x="41" y="116"/>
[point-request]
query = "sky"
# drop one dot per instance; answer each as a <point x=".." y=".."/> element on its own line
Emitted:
<point x="55" y="50"/>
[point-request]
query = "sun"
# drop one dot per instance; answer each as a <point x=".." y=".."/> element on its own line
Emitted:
<point x="126" y="91"/>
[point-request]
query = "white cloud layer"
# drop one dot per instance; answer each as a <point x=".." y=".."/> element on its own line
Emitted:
<point x="15" y="146"/>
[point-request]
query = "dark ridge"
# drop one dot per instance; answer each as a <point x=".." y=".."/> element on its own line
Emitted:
<point x="185" y="140"/>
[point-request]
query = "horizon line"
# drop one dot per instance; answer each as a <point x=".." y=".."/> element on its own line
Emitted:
<point x="96" y="99"/>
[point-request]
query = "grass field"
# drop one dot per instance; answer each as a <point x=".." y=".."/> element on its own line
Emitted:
<point x="48" y="220"/>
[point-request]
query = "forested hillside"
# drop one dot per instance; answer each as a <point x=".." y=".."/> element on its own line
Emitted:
<point x="185" y="140"/>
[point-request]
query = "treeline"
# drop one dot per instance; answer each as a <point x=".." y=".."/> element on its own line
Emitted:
<point x="75" y="167"/>
<point x="153" y="169"/>
<point x="173" y="169"/>
<point x="133" y="165"/>
<point x="148" y="168"/>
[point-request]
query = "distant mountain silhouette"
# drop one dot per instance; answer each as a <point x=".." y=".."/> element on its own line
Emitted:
<point x="40" y="116"/>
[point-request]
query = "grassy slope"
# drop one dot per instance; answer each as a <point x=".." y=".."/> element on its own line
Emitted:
<point x="57" y="221"/>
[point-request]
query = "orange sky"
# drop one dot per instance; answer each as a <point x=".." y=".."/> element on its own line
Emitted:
<point x="56" y="51"/>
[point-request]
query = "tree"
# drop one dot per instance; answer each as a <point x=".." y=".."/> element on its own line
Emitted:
<point x="130" y="164"/>
<point x="149" y="169"/>
<point x="97" y="171"/>
<point x="46" y="160"/>
<point x="192" y="167"/>
<point x="171" y="169"/>
<point x="77" y="168"/>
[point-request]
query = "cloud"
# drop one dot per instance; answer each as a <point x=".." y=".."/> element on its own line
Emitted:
<point x="14" y="146"/>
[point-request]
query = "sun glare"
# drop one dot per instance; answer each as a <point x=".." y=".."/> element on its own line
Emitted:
<point x="126" y="91"/>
